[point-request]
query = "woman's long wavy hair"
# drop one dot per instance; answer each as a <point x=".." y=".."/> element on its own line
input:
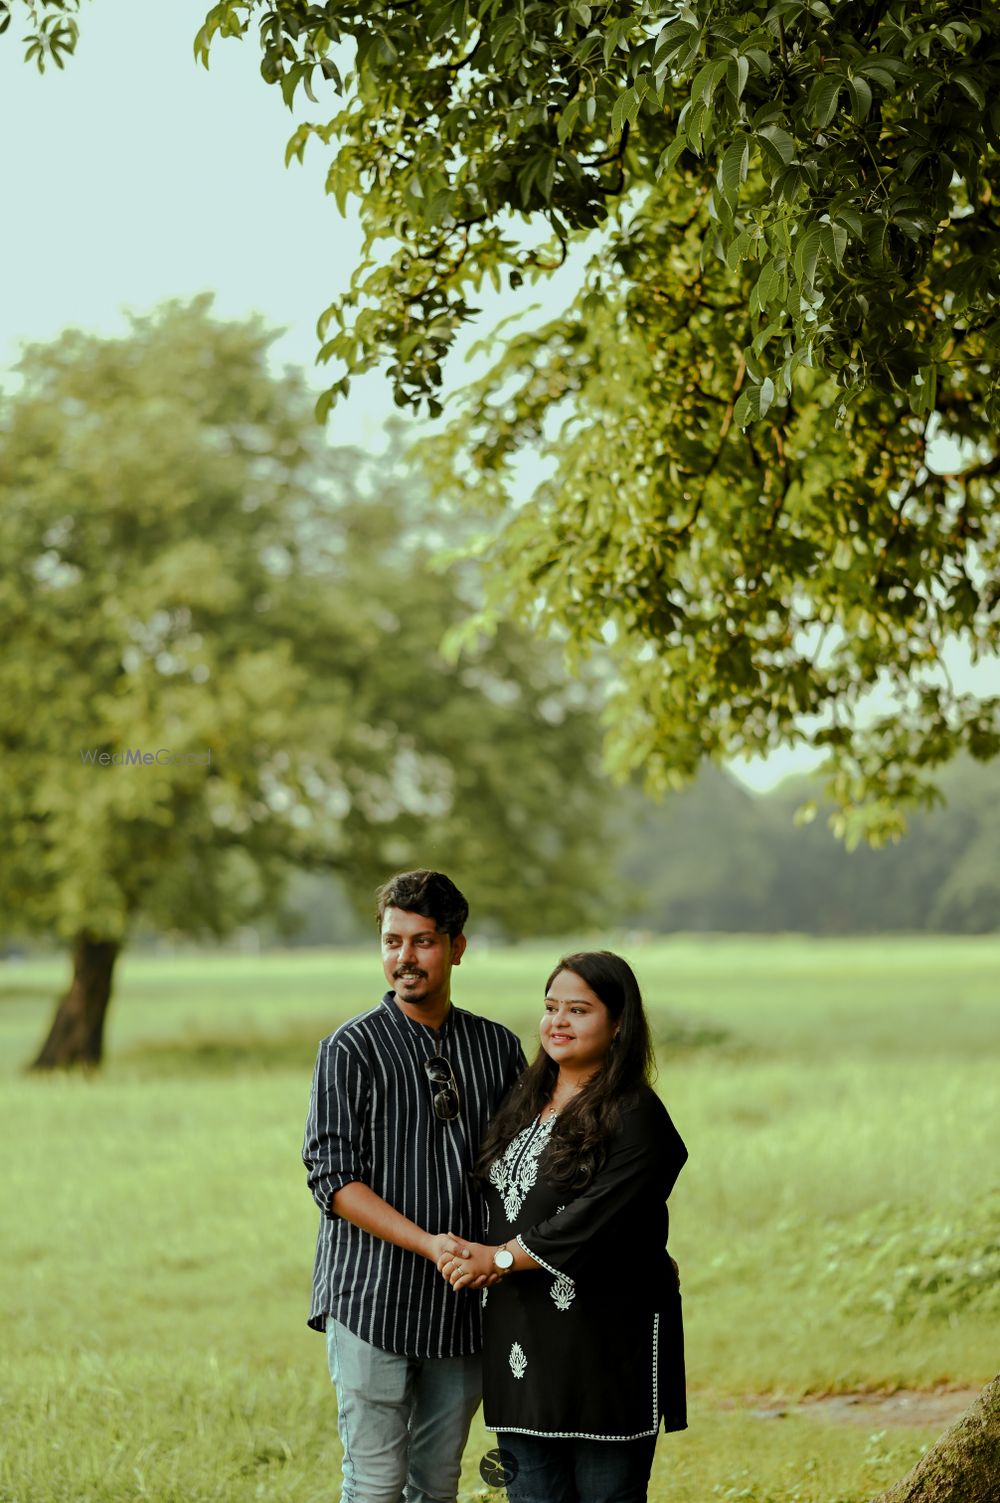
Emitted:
<point x="578" y="1143"/>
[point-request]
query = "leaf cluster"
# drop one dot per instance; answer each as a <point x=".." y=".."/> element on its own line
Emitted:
<point x="800" y="581"/>
<point x="847" y="156"/>
<point x="52" y="29"/>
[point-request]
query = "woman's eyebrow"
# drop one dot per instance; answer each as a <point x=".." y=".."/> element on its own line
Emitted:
<point x="573" y="1001"/>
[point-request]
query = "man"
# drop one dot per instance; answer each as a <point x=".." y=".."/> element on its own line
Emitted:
<point x="400" y="1100"/>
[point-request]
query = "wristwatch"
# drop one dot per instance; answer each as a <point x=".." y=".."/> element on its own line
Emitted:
<point x="503" y="1260"/>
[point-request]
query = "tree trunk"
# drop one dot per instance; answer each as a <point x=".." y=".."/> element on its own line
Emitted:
<point x="964" y="1466"/>
<point x="76" y="1037"/>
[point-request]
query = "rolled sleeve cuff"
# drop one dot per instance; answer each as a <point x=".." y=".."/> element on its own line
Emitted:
<point x="325" y="1187"/>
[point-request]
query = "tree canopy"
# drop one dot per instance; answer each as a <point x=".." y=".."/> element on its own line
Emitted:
<point x="790" y="309"/>
<point x="841" y="155"/>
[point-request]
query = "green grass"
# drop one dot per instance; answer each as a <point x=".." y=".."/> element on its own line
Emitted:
<point x="835" y="1224"/>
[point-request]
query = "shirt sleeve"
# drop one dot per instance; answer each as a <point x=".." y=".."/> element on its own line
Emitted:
<point x="643" y="1163"/>
<point x="332" y="1150"/>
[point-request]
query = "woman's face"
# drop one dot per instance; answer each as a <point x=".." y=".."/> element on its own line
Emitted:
<point x="576" y="1028"/>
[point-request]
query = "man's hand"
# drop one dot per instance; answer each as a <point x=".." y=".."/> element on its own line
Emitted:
<point x="473" y="1268"/>
<point x="450" y="1253"/>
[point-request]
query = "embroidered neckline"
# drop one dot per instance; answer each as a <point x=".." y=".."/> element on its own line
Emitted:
<point x="516" y="1170"/>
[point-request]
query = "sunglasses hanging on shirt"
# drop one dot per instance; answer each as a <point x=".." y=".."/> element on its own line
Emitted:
<point x="442" y="1077"/>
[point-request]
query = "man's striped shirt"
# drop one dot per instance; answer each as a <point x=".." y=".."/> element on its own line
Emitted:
<point x="371" y="1119"/>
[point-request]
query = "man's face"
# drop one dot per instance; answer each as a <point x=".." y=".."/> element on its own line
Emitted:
<point x="417" y="957"/>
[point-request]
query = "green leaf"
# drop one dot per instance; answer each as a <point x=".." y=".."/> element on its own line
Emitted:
<point x="737" y="73"/>
<point x="733" y="168"/>
<point x="876" y="237"/>
<point x="747" y="408"/>
<point x="851" y="218"/>
<point x="706" y="80"/>
<point x="669" y="158"/>
<point x="777" y="143"/>
<point x="823" y="99"/>
<point x="567" y="120"/>
<point x="834" y="240"/>
<point x="970" y="88"/>
<point x="626" y="108"/>
<point x="736" y="253"/>
<point x="760" y="60"/>
<point x="546" y="177"/>
<point x="859" y="91"/>
<point x="807" y="254"/>
<point x="768" y="284"/>
<point x="923" y="390"/>
<point x="880" y="72"/>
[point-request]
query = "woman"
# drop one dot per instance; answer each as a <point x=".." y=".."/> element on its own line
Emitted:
<point x="583" y="1350"/>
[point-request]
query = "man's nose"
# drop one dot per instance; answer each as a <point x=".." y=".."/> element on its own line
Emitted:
<point x="407" y="950"/>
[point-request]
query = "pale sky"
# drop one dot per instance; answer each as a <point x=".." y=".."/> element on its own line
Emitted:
<point x="134" y="175"/>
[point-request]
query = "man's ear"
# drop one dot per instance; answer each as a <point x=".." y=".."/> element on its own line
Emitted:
<point x="458" y="948"/>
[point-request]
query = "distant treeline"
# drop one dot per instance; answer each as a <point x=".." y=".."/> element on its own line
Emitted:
<point x="719" y="858"/>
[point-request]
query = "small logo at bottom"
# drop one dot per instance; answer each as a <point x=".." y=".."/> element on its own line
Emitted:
<point x="497" y="1468"/>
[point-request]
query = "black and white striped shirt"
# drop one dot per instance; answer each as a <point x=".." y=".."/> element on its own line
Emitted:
<point x="371" y="1118"/>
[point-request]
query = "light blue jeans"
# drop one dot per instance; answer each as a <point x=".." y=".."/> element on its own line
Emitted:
<point x="403" y="1421"/>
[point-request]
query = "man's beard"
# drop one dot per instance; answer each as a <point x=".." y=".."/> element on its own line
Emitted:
<point x="402" y="978"/>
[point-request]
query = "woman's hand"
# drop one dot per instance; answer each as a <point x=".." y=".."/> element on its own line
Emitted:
<point x="476" y="1271"/>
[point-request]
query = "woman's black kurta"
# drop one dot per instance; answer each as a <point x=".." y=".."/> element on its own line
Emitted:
<point x="588" y="1346"/>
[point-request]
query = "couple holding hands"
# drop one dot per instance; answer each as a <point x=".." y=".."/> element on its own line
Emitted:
<point x="550" y="1298"/>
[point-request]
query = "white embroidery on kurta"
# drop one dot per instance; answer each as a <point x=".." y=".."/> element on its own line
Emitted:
<point x="563" y="1292"/>
<point x="516" y="1170"/>
<point x="485" y="1293"/>
<point x="518" y="1361"/>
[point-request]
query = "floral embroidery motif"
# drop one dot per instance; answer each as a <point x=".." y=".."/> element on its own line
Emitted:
<point x="518" y="1361"/>
<point x="485" y="1293"/>
<point x="516" y="1170"/>
<point x="563" y="1292"/>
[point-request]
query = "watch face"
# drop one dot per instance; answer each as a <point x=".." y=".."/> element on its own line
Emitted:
<point x="503" y="1258"/>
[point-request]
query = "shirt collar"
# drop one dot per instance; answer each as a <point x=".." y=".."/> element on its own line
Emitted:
<point x="436" y="1037"/>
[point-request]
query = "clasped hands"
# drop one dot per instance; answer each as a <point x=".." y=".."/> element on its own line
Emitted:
<point x="464" y="1265"/>
<point x="469" y="1265"/>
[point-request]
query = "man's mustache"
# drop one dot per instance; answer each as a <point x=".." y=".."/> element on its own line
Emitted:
<point x="399" y="975"/>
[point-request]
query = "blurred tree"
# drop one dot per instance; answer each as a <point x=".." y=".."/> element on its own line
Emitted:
<point x="223" y="662"/>
<point x="717" y="858"/>
<point x="703" y="860"/>
<point x="799" y="211"/>
<point x="968" y="897"/>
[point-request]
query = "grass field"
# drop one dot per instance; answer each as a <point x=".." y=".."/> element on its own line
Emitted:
<point x="835" y="1224"/>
